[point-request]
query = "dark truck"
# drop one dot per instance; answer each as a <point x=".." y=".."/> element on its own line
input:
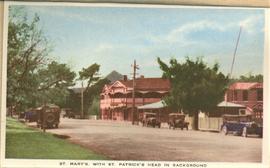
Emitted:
<point x="48" y="116"/>
<point x="150" y="119"/>
<point x="68" y="113"/>
<point x="241" y="125"/>
<point x="177" y="120"/>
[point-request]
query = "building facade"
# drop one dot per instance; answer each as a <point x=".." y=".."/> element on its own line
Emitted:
<point x="116" y="98"/>
<point x="249" y="94"/>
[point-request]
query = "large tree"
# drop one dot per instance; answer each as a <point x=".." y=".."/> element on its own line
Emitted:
<point x="31" y="73"/>
<point x="194" y="86"/>
<point x="89" y="74"/>
<point x="27" y="52"/>
<point x="54" y="81"/>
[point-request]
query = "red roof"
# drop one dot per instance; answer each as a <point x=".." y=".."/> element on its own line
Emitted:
<point x="245" y="85"/>
<point x="152" y="84"/>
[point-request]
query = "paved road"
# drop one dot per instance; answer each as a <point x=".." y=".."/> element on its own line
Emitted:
<point x="123" y="141"/>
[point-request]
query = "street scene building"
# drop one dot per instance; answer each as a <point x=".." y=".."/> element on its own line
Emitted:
<point x="116" y="98"/>
<point x="249" y="95"/>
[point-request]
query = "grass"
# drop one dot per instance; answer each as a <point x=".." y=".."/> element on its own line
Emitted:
<point x="28" y="143"/>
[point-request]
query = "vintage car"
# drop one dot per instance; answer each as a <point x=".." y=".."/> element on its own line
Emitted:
<point x="177" y="120"/>
<point x="150" y="119"/>
<point x="68" y="113"/>
<point x="240" y="125"/>
<point x="48" y="116"/>
<point x="30" y="115"/>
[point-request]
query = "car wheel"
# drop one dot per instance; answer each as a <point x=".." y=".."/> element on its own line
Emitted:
<point x="244" y="132"/>
<point x="224" y="130"/>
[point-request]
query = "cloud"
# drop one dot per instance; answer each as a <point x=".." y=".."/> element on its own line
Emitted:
<point x="249" y="24"/>
<point x="103" y="47"/>
<point x="179" y="34"/>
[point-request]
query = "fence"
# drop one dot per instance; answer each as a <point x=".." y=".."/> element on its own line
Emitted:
<point x="210" y="123"/>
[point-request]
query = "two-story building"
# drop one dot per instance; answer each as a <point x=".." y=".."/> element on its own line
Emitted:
<point x="116" y="98"/>
<point x="248" y="94"/>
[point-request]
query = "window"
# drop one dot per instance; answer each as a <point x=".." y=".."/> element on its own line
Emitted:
<point x="260" y="95"/>
<point x="245" y="95"/>
<point x="242" y="111"/>
<point x="258" y="114"/>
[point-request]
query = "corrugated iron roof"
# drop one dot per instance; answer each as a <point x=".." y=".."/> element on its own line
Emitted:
<point x="149" y="84"/>
<point x="229" y="104"/>
<point x="156" y="105"/>
<point x="245" y="85"/>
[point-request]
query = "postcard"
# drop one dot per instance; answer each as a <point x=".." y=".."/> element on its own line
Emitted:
<point x="118" y="85"/>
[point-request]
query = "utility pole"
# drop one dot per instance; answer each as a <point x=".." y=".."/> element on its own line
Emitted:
<point x="231" y="70"/>
<point x="135" y="67"/>
<point x="82" y="115"/>
<point x="44" y="116"/>
<point x="234" y="54"/>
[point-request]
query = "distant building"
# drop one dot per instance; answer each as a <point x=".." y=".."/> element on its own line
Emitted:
<point x="248" y="94"/>
<point x="116" y="98"/>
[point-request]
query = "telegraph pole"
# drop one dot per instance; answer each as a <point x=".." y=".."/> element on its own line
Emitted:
<point x="234" y="54"/>
<point x="82" y="115"/>
<point x="231" y="70"/>
<point x="135" y="67"/>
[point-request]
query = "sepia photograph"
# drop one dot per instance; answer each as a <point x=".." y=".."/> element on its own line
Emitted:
<point x="103" y="85"/>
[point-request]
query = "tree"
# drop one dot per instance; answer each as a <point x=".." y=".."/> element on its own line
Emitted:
<point x="27" y="52"/>
<point x="54" y="81"/>
<point x="89" y="74"/>
<point x="94" y="108"/>
<point x="194" y="86"/>
<point x="32" y="78"/>
<point x="249" y="78"/>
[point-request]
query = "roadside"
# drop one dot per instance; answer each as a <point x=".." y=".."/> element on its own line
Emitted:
<point x="123" y="141"/>
<point x="29" y="143"/>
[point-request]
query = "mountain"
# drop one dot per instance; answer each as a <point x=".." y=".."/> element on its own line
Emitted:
<point x="114" y="76"/>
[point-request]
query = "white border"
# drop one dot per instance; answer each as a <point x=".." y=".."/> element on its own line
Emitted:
<point x="55" y="163"/>
<point x="266" y="85"/>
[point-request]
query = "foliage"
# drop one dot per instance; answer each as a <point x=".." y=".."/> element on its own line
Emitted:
<point x="54" y="81"/>
<point x="94" y="85"/>
<point x="94" y="108"/>
<point x="27" y="143"/>
<point x="249" y="78"/>
<point x="195" y="86"/>
<point x="90" y="74"/>
<point x="32" y="78"/>
<point x="27" y="51"/>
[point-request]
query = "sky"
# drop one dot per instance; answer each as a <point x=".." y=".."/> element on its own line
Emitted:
<point x="114" y="36"/>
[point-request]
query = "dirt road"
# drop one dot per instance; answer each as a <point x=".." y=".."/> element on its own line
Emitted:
<point x="123" y="141"/>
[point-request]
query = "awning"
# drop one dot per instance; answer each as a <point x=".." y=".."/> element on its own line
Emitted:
<point x="229" y="104"/>
<point x="156" y="105"/>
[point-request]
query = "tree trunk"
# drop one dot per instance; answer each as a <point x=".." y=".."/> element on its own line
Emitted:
<point x="196" y="120"/>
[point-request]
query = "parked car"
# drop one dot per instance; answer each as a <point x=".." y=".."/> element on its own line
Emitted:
<point x="177" y="120"/>
<point x="241" y="125"/>
<point x="30" y="115"/>
<point x="48" y="116"/>
<point x="68" y="113"/>
<point x="150" y="119"/>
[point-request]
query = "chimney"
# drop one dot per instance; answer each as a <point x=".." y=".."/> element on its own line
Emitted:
<point x="125" y="77"/>
<point x="142" y="76"/>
